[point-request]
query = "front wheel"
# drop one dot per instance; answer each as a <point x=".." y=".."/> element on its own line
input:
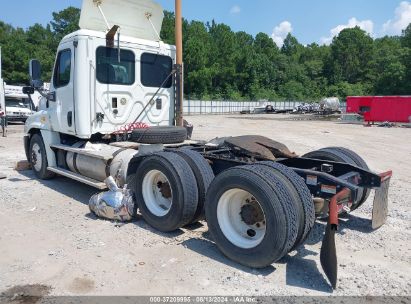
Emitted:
<point x="38" y="158"/>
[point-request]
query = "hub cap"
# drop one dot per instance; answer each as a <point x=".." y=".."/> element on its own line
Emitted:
<point x="36" y="159"/>
<point x="241" y="218"/>
<point x="157" y="193"/>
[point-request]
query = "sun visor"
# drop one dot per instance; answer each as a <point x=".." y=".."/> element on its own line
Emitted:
<point x="130" y="15"/>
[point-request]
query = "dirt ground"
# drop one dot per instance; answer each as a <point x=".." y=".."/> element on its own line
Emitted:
<point x="49" y="237"/>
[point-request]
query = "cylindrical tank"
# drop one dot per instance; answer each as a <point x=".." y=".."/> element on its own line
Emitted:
<point x="98" y="168"/>
<point x="119" y="166"/>
<point x="330" y="104"/>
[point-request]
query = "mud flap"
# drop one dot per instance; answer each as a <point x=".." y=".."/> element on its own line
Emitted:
<point x="328" y="255"/>
<point x="380" y="206"/>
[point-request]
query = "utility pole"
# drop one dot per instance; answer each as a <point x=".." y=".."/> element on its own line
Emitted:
<point x="179" y="64"/>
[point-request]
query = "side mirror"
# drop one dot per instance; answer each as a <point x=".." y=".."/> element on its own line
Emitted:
<point x="28" y="90"/>
<point x="35" y="74"/>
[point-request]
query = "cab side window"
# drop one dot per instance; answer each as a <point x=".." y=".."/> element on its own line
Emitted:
<point x="62" y="70"/>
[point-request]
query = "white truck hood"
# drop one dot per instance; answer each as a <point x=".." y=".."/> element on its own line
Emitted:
<point x="19" y="110"/>
<point x="130" y="15"/>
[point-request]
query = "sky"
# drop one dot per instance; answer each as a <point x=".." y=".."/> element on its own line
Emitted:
<point x="308" y="20"/>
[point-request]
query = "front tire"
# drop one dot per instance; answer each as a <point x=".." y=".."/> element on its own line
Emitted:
<point x="38" y="158"/>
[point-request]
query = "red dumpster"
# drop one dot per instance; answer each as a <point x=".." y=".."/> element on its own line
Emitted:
<point x="381" y="108"/>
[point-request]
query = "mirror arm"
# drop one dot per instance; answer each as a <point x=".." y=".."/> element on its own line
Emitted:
<point x="41" y="92"/>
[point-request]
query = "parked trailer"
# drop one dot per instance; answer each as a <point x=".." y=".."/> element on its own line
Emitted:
<point x="100" y="119"/>
<point x="381" y="108"/>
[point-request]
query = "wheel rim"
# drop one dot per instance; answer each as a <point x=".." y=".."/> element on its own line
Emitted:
<point x="157" y="193"/>
<point x="241" y="218"/>
<point x="36" y="158"/>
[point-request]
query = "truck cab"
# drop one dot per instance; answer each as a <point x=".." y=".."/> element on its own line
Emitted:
<point x="113" y="74"/>
<point x="98" y="87"/>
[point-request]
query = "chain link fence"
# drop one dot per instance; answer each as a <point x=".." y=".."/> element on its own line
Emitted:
<point x="209" y="107"/>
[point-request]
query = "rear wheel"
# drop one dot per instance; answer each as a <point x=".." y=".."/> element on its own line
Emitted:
<point x="360" y="162"/>
<point x="38" y="158"/>
<point x="204" y="176"/>
<point x="166" y="191"/>
<point x="250" y="216"/>
<point x="303" y="201"/>
<point x="344" y="155"/>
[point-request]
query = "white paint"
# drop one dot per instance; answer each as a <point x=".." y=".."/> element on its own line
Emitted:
<point x="130" y="15"/>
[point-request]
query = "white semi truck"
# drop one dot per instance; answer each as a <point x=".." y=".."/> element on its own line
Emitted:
<point x="19" y="106"/>
<point x="112" y="110"/>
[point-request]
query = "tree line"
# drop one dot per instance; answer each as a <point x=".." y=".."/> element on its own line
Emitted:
<point x="223" y="64"/>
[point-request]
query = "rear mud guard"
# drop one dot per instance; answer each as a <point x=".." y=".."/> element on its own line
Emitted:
<point x="328" y="255"/>
<point x="380" y="205"/>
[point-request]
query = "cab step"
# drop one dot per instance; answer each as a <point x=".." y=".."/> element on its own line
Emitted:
<point x="80" y="178"/>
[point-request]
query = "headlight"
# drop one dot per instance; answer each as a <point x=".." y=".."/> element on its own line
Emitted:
<point x="9" y="113"/>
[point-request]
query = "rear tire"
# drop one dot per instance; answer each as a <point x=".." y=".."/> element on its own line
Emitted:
<point x="347" y="156"/>
<point x="304" y="201"/>
<point x="38" y="158"/>
<point x="360" y="162"/>
<point x="204" y="176"/>
<point x="250" y="216"/>
<point x="166" y="191"/>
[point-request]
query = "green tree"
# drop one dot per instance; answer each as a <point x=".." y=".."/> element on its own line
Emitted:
<point x="16" y="54"/>
<point x="293" y="90"/>
<point x="389" y="69"/>
<point x="168" y="28"/>
<point x="197" y="60"/>
<point x="291" y="46"/>
<point x="406" y="42"/>
<point x="223" y="54"/>
<point x="65" y="22"/>
<point x="351" y="56"/>
<point x="406" y="37"/>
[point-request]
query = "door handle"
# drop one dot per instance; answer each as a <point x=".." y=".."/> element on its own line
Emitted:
<point x="70" y="118"/>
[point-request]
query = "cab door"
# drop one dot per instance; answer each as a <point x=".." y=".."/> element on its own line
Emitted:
<point x="62" y="89"/>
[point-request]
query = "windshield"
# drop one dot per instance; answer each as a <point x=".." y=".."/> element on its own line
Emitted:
<point x="18" y="102"/>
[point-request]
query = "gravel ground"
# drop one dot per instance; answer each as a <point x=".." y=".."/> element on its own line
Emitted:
<point x="49" y="237"/>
